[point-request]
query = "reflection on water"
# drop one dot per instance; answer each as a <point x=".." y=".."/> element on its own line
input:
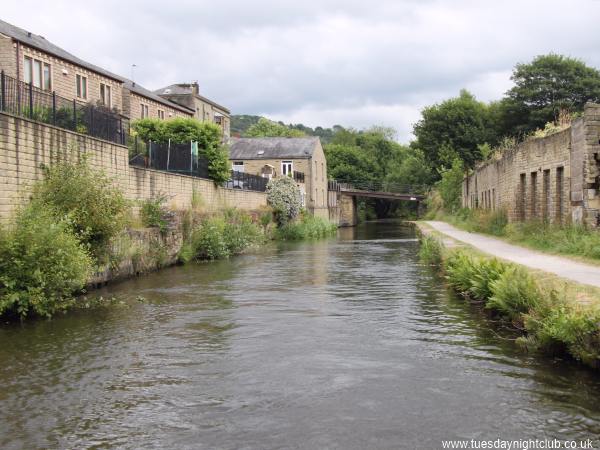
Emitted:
<point x="347" y="343"/>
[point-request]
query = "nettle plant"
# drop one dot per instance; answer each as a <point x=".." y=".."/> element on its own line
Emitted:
<point x="284" y="197"/>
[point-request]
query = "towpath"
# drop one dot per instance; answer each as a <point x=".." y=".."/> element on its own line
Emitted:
<point x="563" y="267"/>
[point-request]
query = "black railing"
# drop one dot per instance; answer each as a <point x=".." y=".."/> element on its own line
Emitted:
<point x="298" y="176"/>
<point x="383" y="186"/>
<point x="241" y="180"/>
<point x="184" y="158"/>
<point x="25" y="100"/>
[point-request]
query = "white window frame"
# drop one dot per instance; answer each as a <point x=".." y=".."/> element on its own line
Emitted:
<point x="144" y="111"/>
<point x="287" y="168"/>
<point x="81" y="82"/>
<point x="106" y="94"/>
<point x="238" y="166"/>
<point x="28" y="73"/>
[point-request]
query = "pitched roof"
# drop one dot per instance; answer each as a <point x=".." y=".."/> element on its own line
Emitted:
<point x="40" y="43"/>
<point x="186" y="89"/>
<point x="273" y="148"/>
<point x="142" y="91"/>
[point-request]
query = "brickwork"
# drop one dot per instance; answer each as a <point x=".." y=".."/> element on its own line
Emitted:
<point x="553" y="178"/>
<point x="26" y="145"/>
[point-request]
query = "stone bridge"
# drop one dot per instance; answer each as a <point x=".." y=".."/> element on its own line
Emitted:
<point x="346" y="194"/>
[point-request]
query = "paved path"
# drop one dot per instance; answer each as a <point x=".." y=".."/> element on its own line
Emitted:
<point x="563" y="267"/>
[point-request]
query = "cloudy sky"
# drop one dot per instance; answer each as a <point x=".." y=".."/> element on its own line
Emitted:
<point x="319" y="62"/>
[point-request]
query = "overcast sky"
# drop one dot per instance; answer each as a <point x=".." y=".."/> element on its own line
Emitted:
<point x="319" y="62"/>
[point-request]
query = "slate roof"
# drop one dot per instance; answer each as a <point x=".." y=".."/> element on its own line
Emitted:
<point x="186" y="89"/>
<point x="273" y="148"/>
<point x="140" y="90"/>
<point x="40" y="43"/>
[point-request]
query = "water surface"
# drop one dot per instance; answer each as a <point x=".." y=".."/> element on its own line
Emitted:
<point x="348" y="343"/>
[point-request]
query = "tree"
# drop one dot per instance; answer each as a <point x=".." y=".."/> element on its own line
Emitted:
<point x="455" y="127"/>
<point x="450" y="185"/>
<point x="544" y="87"/>
<point x="267" y="128"/>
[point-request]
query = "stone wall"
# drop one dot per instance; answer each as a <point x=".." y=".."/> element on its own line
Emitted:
<point x="554" y="178"/>
<point x="26" y="145"/>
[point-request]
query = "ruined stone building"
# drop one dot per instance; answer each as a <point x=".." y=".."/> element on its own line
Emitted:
<point x="554" y="178"/>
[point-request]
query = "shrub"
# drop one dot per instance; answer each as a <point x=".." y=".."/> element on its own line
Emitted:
<point x="308" y="227"/>
<point x="460" y="269"/>
<point x="450" y="186"/>
<point x="87" y="199"/>
<point x="153" y="213"/>
<point x="42" y="264"/>
<point x="208" y="240"/>
<point x="430" y="251"/>
<point x="240" y="232"/>
<point x="485" y="273"/>
<point x="515" y="293"/>
<point x="218" y="163"/>
<point x="284" y="197"/>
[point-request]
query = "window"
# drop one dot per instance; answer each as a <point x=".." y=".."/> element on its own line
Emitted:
<point x="238" y="166"/>
<point x="105" y="95"/>
<point x="37" y="73"/>
<point x="322" y="171"/>
<point x="81" y="86"/>
<point x="287" y="168"/>
<point x="143" y="110"/>
<point x="161" y="114"/>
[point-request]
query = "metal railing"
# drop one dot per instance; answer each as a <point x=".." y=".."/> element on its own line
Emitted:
<point x="25" y="100"/>
<point x="383" y="186"/>
<point x="241" y="180"/>
<point x="298" y="176"/>
<point x="185" y="159"/>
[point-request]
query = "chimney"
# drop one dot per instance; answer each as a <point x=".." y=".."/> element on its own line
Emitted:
<point x="194" y="87"/>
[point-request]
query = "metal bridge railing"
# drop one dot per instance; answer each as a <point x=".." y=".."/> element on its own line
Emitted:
<point x="383" y="186"/>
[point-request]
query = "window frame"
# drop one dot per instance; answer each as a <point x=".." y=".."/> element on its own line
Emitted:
<point x="144" y="111"/>
<point x="161" y="114"/>
<point x="289" y="164"/>
<point x="30" y="71"/>
<point x="235" y="166"/>
<point x="106" y="94"/>
<point x="81" y="82"/>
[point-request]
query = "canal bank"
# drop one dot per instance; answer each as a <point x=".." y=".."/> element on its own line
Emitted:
<point x="341" y="343"/>
<point x="553" y="309"/>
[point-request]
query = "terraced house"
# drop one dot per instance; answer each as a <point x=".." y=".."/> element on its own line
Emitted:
<point x="45" y="67"/>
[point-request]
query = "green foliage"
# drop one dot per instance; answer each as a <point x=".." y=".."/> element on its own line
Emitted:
<point x="186" y="129"/>
<point x="431" y="251"/>
<point x="454" y="128"/>
<point x="222" y="236"/>
<point x="240" y="123"/>
<point x="450" y="185"/>
<point x="267" y="128"/>
<point x="41" y="264"/>
<point x="514" y="293"/>
<point x="284" y="197"/>
<point x="308" y="227"/>
<point x="545" y="86"/>
<point x="87" y="199"/>
<point x="460" y="269"/>
<point x="486" y="272"/>
<point x="153" y="213"/>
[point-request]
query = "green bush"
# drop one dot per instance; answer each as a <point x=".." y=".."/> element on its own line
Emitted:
<point x="153" y="213"/>
<point x="87" y="199"/>
<point x="430" y="251"/>
<point x="308" y="227"/>
<point x="450" y="185"/>
<point x="515" y="293"/>
<point x="208" y="240"/>
<point x="240" y="232"/>
<point x="486" y="272"/>
<point x="460" y="270"/>
<point x="283" y="196"/>
<point x="42" y="264"/>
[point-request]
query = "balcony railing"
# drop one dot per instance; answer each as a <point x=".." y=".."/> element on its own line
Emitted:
<point x="298" y="176"/>
<point x="25" y="100"/>
<point x="246" y="181"/>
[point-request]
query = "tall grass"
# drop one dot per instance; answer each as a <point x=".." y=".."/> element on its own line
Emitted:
<point x="550" y="322"/>
<point x="307" y="227"/>
<point x="430" y="251"/>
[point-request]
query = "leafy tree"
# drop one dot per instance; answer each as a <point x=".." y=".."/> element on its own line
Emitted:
<point x="450" y="185"/>
<point x="267" y="128"/>
<point x="284" y="197"/>
<point x="544" y="87"/>
<point x="455" y="127"/>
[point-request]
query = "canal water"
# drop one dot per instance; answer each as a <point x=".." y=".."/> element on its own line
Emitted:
<point x="348" y="343"/>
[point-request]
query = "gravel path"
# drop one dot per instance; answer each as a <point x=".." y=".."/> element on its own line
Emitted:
<point x="563" y="267"/>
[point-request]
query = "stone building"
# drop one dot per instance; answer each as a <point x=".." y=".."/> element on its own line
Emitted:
<point x="187" y="94"/>
<point x="554" y="178"/>
<point x="273" y="157"/>
<point x="31" y="58"/>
